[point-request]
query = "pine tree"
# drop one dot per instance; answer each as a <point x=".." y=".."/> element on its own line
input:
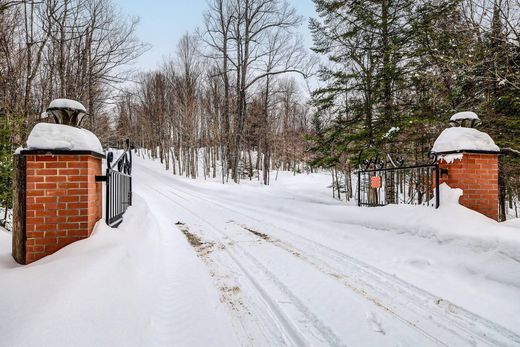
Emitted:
<point x="370" y="52"/>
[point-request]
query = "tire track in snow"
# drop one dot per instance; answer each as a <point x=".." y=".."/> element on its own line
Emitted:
<point x="445" y="315"/>
<point x="231" y="292"/>
<point x="361" y="285"/>
<point x="319" y="326"/>
<point x="296" y="337"/>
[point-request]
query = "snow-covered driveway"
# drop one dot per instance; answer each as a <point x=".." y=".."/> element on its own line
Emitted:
<point x="291" y="270"/>
<point x="198" y="263"/>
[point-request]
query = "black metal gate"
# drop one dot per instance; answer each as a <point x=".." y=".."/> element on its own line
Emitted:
<point x="118" y="180"/>
<point x="413" y="185"/>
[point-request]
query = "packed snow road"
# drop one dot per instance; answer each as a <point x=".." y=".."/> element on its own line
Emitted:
<point x="286" y="277"/>
<point x="199" y="263"/>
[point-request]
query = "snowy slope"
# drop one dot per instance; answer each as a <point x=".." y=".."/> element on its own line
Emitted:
<point x="198" y="263"/>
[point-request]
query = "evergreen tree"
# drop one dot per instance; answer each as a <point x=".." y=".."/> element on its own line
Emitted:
<point x="406" y="66"/>
<point x="370" y="55"/>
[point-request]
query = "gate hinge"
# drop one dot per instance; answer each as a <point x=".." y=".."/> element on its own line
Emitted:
<point x="101" y="178"/>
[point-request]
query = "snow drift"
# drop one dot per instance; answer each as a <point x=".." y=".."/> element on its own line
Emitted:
<point x="450" y="223"/>
<point x="112" y="289"/>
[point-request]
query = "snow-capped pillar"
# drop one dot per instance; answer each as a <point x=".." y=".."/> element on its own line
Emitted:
<point x="476" y="173"/>
<point x="471" y="160"/>
<point x="60" y="201"/>
<point x="57" y="198"/>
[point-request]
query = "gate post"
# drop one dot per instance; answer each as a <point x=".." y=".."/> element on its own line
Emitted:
<point x="470" y="158"/>
<point x="476" y="173"/>
<point x="59" y="201"/>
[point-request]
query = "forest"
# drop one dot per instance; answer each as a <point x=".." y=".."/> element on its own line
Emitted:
<point x="242" y="96"/>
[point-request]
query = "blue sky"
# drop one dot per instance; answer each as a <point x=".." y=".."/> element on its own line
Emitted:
<point x="163" y="22"/>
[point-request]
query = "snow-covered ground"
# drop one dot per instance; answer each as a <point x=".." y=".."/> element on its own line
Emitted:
<point x="198" y="263"/>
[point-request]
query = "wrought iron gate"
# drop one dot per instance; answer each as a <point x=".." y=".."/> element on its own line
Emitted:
<point x="414" y="185"/>
<point x="118" y="180"/>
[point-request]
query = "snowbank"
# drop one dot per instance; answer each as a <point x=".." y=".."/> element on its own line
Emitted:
<point x="63" y="137"/>
<point x="67" y="103"/>
<point x="450" y="223"/>
<point x="460" y="139"/>
<point x="132" y="286"/>
<point x="64" y="299"/>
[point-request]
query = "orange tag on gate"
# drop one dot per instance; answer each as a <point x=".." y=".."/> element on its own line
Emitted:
<point x="375" y="182"/>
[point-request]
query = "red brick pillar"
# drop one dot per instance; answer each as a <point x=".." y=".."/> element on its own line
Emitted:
<point x="476" y="173"/>
<point x="57" y="201"/>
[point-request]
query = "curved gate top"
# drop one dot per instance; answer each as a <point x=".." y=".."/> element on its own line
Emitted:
<point x="118" y="179"/>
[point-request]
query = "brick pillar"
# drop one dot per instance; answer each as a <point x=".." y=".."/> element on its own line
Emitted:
<point x="477" y="175"/>
<point x="58" y="201"/>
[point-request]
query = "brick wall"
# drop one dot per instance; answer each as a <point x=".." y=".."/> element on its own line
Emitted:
<point x="477" y="175"/>
<point x="63" y="201"/>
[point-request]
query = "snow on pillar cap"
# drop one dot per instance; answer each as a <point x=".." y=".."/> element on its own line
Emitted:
<point x="460" y="139"/>
<point x="67" y="103"/>
<point x="66" y="111"/>
<point x="50" y="136"/>
<point x="467" y="119"/>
